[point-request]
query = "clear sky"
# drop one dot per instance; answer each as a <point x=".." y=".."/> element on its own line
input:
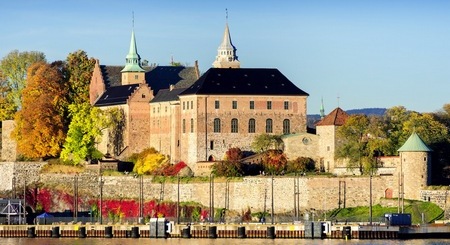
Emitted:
<point x="355" y="54"/>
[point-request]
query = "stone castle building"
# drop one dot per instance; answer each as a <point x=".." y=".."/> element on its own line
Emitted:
<point x="196" y="118"/>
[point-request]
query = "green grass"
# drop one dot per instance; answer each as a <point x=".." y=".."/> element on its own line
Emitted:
<point x="361" y="214"/>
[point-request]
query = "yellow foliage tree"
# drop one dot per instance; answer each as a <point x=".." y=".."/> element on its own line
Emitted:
<point x="148" y="161"/>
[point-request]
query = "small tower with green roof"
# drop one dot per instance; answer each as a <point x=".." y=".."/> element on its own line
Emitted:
<point x="133" y="73"/>
<point x="415" y="166"/>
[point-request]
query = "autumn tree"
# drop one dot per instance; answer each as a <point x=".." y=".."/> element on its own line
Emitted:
<point x="83" y="134"/>
<point x="13" y="69"/>
<point x="274" y="162"/>
<point x="79" y="68"/>
<point x="40" y="127"/>
<point x="148" y="161"/>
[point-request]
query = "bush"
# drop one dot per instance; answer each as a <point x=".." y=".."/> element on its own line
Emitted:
<point x="170" y="170"/>
<point x="227" y="169"/>
<point x="301" y="164"/>
<point x="149" y="161"/>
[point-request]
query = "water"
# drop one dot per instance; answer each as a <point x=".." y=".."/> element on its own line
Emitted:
<point x="147" y="241"/>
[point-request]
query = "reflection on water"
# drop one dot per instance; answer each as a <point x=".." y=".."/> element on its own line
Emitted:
<point x="147" y="241"/>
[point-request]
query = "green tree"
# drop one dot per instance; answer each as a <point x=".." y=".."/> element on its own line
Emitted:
<point x="79" y="67"/>
<point x="115" y="122"/>
<point x="84" y="131"/>
<point x="40" y="129"/>
<point x="14" y="72"/>
<point x="264" y="142"/>
<point x="352" y="142"/>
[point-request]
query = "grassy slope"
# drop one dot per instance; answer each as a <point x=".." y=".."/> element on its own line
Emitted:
<point x="361" y="214"/>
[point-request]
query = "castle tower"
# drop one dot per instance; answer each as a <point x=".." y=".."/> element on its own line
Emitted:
<point x="133" y="73"/>
<point x="226" y="53"/>
<point x="326" y="130"/>
<point x="415" y="166"/>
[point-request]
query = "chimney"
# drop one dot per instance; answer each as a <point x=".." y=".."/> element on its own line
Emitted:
<point x="171" y="87"/>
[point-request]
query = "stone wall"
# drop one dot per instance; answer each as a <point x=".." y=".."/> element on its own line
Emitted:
<point x="16" y="174"/>
<point x="9" y="145"/>
<point x="253" y="192"/>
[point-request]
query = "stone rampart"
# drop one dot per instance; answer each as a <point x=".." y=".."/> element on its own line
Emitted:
<point x="253" y="192"/>
<point x="16" y="174"/>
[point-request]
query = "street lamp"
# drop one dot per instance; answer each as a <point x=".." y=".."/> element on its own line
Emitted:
<point x="211" y="197"/>
<point x="272" y="198"/>
<point x="100" y="183"/>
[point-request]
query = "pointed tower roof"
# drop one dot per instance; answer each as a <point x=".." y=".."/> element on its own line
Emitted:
<point x="414" y="144"/>
<point x="133" y="60"/>
<point x="337" y="118"/>
<point x="322" y="110"/>
<point x="226" y="53"/>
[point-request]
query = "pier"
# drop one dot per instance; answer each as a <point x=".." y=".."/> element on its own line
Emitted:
<point x="310" y="230"/>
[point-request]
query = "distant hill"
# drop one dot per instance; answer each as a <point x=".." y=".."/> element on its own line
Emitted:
<point x="313" y="118"/>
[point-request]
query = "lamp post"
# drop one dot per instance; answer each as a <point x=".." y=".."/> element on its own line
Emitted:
<point x="272" y="199"/>
<point x="100" y="183"/>
<point x="211" y="197"/>
<point x="178" y="198"/>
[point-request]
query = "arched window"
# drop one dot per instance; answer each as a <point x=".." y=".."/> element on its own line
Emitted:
<point x="251" y="125"/>
<point x="269" y="126"/>
<point x="286" y="126"/>
<point x="216" y="125"/>
<point x="234" y="125"/>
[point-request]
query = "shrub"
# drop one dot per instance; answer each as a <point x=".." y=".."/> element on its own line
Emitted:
<point x="170" y="170"/>
<point x="300" y="164"/>
<point x="149" y="161"/>
<point x="227" y="169"/>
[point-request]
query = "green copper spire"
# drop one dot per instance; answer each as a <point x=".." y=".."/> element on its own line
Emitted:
<point x="414" y="144"/>
<point x="322" y="110"/>
<point x="133" y="60"/>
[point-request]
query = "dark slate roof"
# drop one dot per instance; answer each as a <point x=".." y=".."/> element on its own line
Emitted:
<point x="244" y="81"/>
<point x="116" y="95"/>
<point x="157" y="77"/>
<point x="167" y="95"/>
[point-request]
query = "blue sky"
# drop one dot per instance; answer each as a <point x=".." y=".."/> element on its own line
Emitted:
<point x="355" y="54"/>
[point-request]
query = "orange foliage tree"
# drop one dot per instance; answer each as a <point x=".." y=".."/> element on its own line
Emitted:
<point x="40" y="124"/>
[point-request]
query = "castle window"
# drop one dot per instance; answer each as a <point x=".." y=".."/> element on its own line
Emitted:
<point x="184" y="106"/>
<point x="252" y="105"/>
<point x="143" y="96"/>
<point x="269" y="105"/>
<point x="166" y="108"/>
<point x="192" y="104"/>
<point x="184" y="126"/>
<point x="269" y="125"/>
<point x="234" y="104"/>
<point x="234" y="125"/>
<point x="251" y="125"/>
<point x="216" y="125"/>
<point x="153" y="109"/>
<point x="328" y="148"/>
<point x="286" y="126"/>
<point x="425" y="159"/>
<point x="136" y="77"/>
<point x="192" y="125"/>
<point x="216" y="104"/>
<point x="211" y="145"/>
<point x="286" y="105"/>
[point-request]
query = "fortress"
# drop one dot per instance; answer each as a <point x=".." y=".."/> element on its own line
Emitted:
<point x="196" y="118"/>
